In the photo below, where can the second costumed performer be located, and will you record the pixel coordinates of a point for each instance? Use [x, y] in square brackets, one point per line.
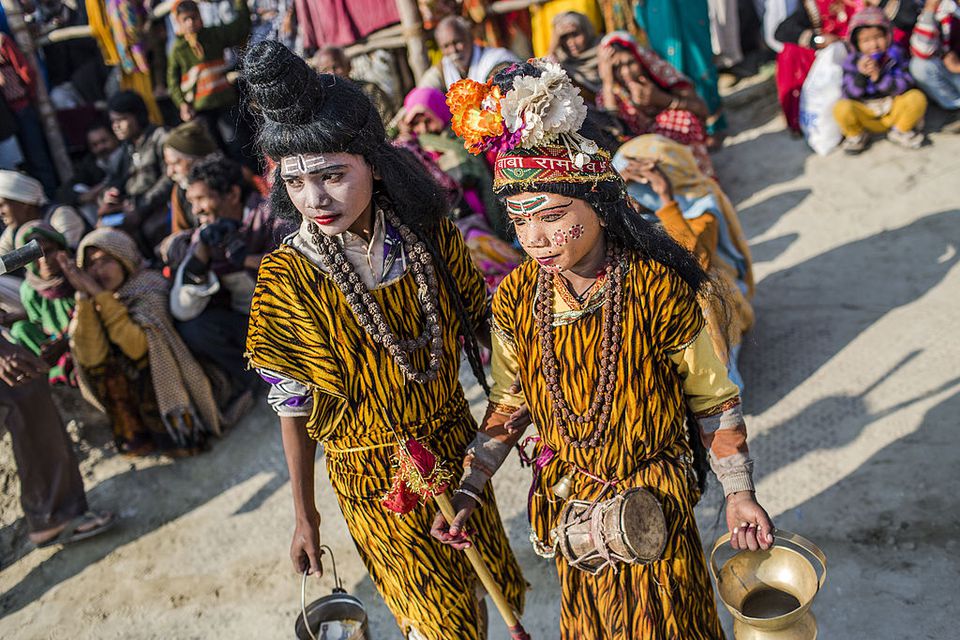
[357, 322]
[604, 331]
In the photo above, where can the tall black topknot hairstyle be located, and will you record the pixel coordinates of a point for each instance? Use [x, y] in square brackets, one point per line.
[302, 111]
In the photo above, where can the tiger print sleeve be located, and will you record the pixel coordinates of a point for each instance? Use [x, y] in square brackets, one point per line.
[504, 363]
[466, 275]
[282, 335]
[677, 317]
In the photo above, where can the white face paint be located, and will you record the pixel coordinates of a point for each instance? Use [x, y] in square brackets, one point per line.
[333, 190]
[556, 231]
[302, 164]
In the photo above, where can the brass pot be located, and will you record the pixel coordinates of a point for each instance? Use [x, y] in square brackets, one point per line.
[769, 593]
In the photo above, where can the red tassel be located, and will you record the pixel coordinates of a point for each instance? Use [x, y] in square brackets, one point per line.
[422, 458]
[400, 499]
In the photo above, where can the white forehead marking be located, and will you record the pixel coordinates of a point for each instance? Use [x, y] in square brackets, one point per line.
[302, 164]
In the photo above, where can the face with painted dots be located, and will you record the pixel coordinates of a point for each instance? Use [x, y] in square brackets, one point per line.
[556, 231]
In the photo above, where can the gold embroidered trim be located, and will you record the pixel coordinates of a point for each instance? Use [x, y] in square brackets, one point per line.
[723, 407]
[504, 409]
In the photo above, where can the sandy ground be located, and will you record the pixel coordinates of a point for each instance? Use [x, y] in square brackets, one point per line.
[853, 397]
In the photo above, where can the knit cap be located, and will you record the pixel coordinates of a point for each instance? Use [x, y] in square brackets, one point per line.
[21, 188]
[191, 139]
[867, 17]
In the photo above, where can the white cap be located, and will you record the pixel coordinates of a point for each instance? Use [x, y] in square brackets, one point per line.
[21, 188]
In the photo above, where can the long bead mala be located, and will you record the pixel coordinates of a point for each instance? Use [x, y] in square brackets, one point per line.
[368, 313]
[602, 403]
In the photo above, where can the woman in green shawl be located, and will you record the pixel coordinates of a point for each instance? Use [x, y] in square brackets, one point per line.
[48, 299]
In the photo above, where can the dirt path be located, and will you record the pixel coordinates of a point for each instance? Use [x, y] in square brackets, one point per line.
[853, 393]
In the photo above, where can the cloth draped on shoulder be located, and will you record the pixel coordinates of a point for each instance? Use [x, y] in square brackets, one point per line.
[483, 61]
[682, 126]
[181, 386]
[583, 69]
[720, 245]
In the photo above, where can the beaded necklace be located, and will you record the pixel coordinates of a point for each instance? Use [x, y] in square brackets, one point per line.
[368, 313]
[602, 403]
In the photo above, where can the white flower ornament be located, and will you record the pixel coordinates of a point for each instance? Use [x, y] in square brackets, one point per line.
[547, 109]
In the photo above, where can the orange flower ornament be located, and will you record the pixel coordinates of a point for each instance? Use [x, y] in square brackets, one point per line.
[475, 108]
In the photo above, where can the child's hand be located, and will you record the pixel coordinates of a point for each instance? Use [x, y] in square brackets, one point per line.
[868, 67]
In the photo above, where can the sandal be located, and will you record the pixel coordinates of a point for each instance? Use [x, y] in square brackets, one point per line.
[71, 533]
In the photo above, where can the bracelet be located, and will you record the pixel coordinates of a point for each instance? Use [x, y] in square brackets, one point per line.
[470, 494]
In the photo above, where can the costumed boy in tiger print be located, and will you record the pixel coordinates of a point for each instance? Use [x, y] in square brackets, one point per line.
[357, 322]
[603, 329]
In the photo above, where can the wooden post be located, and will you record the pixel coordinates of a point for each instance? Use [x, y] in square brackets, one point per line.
[48, 116]
[413, 32]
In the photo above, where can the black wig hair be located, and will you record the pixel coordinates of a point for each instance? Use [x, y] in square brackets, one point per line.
[624, 224]
[302, 111]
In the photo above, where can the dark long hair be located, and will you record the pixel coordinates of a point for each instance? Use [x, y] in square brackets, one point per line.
[302, 112]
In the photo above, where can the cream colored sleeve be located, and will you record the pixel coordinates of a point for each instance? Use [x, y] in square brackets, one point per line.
[505, 368]
[715, 402]
[705, 380]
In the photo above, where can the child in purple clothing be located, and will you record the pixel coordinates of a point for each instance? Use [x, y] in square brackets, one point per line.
[878, 88]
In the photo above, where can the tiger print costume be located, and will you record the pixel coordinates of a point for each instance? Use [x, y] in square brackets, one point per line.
[646, 447]
[302, 328]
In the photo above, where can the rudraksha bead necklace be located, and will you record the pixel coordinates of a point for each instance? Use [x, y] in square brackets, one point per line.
[368, 313]
[602, 403]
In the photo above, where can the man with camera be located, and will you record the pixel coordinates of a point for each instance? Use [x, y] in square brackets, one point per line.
[213, 284]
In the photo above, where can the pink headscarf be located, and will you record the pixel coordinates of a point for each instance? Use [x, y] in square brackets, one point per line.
[430, 100]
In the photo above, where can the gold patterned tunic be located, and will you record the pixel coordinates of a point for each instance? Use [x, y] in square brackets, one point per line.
[302, 328]
[666, 365]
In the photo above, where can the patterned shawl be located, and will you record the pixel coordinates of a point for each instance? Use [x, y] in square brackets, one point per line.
[181, 386]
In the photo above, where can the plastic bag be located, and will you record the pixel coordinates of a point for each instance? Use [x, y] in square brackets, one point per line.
[821, 91]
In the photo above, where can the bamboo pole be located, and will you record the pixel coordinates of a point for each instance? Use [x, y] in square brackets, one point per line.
[413, 32]
[48, 116]
[506, 6]
[517, 632]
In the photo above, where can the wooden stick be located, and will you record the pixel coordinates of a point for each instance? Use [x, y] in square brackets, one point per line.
[413, 31]
[486, 578]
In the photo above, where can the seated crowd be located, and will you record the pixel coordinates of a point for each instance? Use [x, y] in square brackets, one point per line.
[898, 55]
[152, 247]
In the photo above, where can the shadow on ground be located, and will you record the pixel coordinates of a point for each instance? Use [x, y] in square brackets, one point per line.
[196, 481]
[898, 549]
[809, 311]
